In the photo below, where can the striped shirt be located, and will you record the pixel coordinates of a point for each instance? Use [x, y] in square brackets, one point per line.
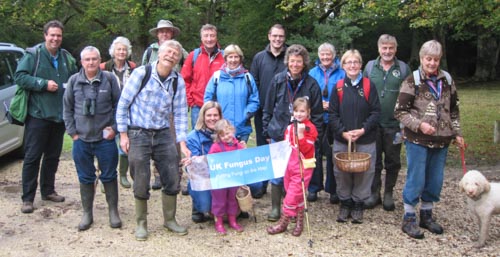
[152, 106]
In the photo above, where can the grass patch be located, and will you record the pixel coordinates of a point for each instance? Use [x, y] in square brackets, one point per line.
[479, 108]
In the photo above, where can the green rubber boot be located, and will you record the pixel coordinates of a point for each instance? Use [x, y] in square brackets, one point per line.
[169, 206]
[123, 167]
[141, 214]
[87, 192]
[276, 193]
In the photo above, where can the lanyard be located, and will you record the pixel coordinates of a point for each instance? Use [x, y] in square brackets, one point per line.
[436, 90]
[292, 97]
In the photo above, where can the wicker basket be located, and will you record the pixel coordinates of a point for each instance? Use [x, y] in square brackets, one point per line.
[244, 198]
[352, 161]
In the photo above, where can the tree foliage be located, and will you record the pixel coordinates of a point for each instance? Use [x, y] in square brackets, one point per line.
[345, 23]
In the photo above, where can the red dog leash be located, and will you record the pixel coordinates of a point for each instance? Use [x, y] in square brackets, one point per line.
[462, 155]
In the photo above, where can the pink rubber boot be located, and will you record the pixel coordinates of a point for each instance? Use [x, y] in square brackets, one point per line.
[234, 224]
[219, 226]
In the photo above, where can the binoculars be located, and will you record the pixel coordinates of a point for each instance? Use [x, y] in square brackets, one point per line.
[89, 107]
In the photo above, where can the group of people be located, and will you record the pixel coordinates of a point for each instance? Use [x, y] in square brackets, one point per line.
[319, 111]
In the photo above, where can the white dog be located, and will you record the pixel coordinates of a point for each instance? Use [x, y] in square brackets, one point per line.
[483, 200]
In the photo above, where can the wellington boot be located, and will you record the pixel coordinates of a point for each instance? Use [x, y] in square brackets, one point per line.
[169, 206]
[234, 224]
[219, 226]
[388, 203]
[112, 200]
[123, 167]
[141, 215]
[280, 227]
[299, 225]
[276, 194]
[373, 200]
[87, 192]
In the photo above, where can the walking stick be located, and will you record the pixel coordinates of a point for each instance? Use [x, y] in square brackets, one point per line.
[295, 124]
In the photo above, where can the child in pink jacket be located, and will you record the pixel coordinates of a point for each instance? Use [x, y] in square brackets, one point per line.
[293, 203]
[224, 200]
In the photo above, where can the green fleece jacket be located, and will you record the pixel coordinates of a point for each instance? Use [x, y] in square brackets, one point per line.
[42, 103]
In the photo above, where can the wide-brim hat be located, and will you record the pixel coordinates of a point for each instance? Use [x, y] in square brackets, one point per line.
[165, 24]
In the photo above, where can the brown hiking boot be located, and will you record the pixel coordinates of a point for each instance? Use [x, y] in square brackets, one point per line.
[345, 210]
[429, 223]
[27, 207]
[410, 226]
[54, 197]
[357, 213]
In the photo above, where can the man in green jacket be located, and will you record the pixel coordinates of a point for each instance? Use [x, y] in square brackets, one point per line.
[387, 73]
[44, 74]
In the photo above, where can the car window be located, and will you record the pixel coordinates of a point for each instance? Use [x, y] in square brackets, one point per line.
[8, 65]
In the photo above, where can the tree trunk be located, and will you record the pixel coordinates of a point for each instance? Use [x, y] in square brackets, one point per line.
[487, 57]
[440, 35]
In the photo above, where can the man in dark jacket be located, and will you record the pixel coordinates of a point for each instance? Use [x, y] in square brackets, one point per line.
[287, 86]
[89, 114]
[265, 65]
[44, 75]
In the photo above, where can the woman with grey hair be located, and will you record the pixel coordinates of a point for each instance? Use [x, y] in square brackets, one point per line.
[286, 86]
[427, 106]
[120, 50]
[326, 72]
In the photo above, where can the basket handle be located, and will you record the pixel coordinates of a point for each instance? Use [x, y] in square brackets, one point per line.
[349, 149]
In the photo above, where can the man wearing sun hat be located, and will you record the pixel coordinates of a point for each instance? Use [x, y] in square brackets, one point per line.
[165, 30]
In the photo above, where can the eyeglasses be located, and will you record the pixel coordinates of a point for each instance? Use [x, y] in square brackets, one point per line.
[352, 63]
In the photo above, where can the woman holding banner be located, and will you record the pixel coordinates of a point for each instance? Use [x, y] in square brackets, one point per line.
[199, 141]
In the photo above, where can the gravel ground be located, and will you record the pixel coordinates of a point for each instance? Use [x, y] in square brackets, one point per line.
[52, 229]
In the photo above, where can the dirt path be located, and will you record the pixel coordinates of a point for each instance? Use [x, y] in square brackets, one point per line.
[52, 229]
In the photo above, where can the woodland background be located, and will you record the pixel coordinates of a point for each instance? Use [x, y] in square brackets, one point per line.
[468, 29]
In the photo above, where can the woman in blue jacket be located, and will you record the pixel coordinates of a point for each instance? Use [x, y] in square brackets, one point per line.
[326, 72]
[199, 141]
[234, 88]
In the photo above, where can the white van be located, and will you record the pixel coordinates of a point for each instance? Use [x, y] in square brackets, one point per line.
[11, 136]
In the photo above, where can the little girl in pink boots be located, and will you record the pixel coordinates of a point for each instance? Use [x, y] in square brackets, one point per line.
[296, 173]
[224, 200]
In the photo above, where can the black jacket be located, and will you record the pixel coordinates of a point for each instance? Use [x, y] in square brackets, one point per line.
[276, 111]
[264, 66]
[354, 112]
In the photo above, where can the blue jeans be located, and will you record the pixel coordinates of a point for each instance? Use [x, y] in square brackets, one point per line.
[195, 112]
[41, 137]
[158, 145]
[83, 155]
[202, 200]
[425, 174]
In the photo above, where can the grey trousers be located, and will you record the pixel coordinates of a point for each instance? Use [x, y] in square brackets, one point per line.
[355, 186]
